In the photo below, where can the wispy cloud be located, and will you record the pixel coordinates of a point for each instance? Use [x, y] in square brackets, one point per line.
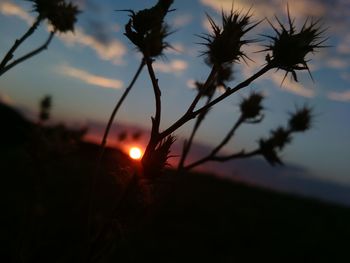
[340, 96]
[11, 9]
[90, 78]
[182, 20]
[344, 45]
[337, 63]
[269, 8]
[175, 66]
[112, 50]
[291, 86]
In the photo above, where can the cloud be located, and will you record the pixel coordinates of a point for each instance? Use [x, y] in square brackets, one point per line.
[182, 20]
[5, 99]
[191, 83]
[111, 51]
[344, 45]
[290, 85]
[10, 9]
[337, 63]
[340, 96]
[175, 66]
[89, 78]
[269, 8]
[106, 49]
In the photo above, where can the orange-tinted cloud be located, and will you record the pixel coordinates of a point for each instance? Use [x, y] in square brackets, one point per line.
[11, 9]
[340, 96]
[90, 78]
[175, 66]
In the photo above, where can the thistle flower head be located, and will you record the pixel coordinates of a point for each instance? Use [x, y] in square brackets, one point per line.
[59, 13]
[300, 120]
[225, 43]
[280, 137]
[147, 30]
[268, 150]
[251, 107]
[289, 48]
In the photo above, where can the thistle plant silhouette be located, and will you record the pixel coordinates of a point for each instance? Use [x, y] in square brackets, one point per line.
[289, 50]
[60, 14]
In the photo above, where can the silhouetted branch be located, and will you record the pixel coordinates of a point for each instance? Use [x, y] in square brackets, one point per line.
[9, 55]
[156, 119]
[115, 110]
[213, 153]
[192, 114]
[239, 155]
[29, 55]
[187, 145]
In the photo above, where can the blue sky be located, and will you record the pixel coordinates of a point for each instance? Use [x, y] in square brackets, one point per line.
[86, 72]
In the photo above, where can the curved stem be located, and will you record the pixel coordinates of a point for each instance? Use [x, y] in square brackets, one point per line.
[154, 139]
[102, 150]
[239, 155]
[188, 144]
[28, 55]
[115, 110]
[219, 147]
[18, 42]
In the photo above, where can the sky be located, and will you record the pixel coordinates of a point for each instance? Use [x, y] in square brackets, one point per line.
[86, 72]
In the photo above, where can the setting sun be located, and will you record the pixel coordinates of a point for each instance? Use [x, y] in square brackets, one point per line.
[135, 153]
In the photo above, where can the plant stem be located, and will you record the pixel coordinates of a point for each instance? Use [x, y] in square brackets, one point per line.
[206, 86]
[102, 150]
[239, 155]
[192, 114]
[28, 55]
[154, 139]
[115, 110]
[188, 144]
[18, 42]
[213, 153]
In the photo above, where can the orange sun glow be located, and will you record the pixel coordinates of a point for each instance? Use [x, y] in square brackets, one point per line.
[135, 153]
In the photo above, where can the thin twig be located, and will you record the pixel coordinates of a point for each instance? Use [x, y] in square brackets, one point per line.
[28, 55]
[9, 55]
[239, 155]
[156, 120]
[114, 112]
[212, 154]
[188, 144]
[102, 151]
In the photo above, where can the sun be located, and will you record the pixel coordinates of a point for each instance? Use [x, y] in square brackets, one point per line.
[135, 153]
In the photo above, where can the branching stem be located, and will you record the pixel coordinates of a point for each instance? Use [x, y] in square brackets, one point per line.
[28, 55]
[192, 114]
[9, 55]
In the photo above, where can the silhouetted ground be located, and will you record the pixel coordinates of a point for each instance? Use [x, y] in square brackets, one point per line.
[191, 218]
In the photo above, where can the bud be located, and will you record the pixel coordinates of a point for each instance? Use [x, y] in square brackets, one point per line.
[224, 44]
[300, 121]
[251, 107]
[280, 137]
[147, 30]
[268, 150]
[156, 161]
[60, 14]
[289, 49]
